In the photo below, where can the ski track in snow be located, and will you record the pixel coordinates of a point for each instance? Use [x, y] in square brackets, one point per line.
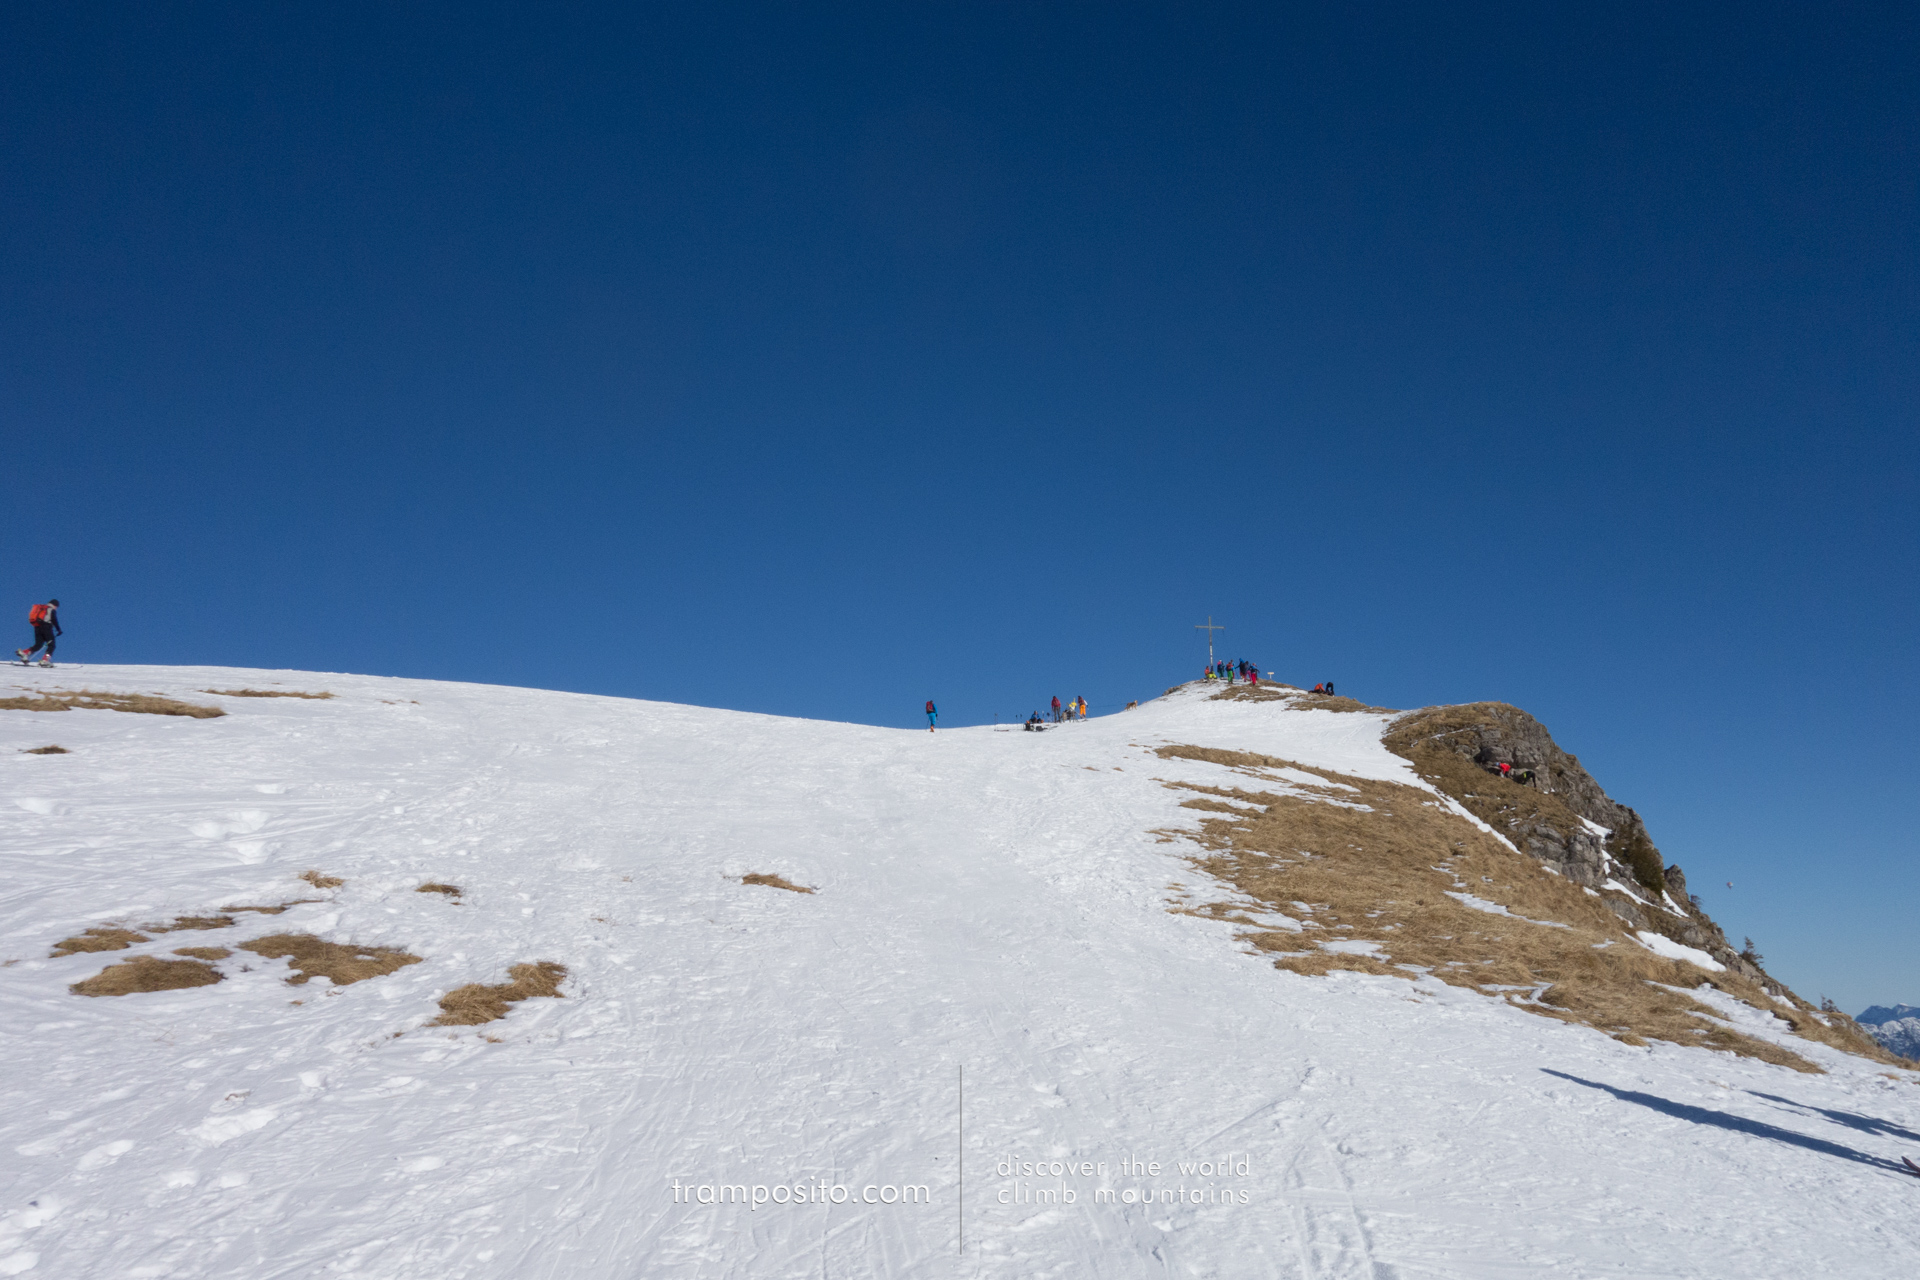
[983, 901]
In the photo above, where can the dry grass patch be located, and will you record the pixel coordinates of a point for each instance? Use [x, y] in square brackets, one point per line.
[1263, 692]
[203, 953]
[95, 700]
[144, 973]
[1338, 702]
[45, 751]
[1243, 760]
[434, 886]
[266, 693]
[103, 938]
[1375, 863]
[274, 910]
[1302, 700]
[314, 958]
[774, 882]
[476, 1003]
[320, 880]
[192, 922]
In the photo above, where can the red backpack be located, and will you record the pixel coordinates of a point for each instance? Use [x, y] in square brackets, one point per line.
[38, 614]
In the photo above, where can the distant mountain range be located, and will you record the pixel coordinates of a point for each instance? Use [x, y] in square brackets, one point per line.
[1897, 1027]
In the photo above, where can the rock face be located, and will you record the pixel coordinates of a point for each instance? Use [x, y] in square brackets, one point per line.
[1553, 815]
[1898, 1028]
[1551, 807]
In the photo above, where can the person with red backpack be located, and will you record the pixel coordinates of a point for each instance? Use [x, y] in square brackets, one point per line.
[933, 714]
[45, 619]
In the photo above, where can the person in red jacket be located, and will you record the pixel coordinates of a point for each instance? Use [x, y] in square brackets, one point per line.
[1056, 708]
[45, 619]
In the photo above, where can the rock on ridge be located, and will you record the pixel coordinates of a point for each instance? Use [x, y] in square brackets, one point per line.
[1554, 810]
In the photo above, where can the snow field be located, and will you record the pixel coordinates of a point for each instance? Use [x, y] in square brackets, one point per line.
[987, 902]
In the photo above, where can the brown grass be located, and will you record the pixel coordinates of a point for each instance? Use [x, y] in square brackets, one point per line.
[314, 958]
[192, 922]
[203, 953]
[45, 751]
[1301, 699]
[1251, 693]
[1376, 865]
[320, 880]
[104, 938]
[774, 882]
[434, 886]
[1339, 702]
[476, 1003]
[144, 973]
[265, 693]
[95, 700]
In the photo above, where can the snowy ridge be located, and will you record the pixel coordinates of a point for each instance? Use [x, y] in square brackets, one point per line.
[1898, 1028]
[993, 902]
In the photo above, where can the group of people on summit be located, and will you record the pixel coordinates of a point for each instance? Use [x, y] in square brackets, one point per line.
[1074, 710]
[1234, 672]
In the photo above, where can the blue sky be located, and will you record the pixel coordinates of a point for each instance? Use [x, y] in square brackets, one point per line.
[821, 363]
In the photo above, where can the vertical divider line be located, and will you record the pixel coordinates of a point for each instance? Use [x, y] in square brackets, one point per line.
[960, 1140]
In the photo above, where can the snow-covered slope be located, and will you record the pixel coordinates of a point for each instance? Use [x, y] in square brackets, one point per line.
[990, 914]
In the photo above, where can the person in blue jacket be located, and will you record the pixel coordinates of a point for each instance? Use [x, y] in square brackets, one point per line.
[933, 714]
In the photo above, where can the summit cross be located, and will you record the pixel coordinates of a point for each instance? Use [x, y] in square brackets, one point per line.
[1209, 628]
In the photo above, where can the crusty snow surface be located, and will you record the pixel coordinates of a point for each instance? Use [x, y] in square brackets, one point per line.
[993, 902]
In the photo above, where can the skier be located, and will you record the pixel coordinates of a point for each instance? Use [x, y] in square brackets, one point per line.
[933, 714]
[45, 619]
[1056, 708]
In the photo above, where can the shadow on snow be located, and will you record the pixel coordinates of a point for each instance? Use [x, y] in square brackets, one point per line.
[1752, 1128]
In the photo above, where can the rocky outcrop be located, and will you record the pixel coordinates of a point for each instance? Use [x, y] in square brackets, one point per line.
[1550, 807]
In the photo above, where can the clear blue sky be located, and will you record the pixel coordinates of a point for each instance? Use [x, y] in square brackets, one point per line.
[823, 359]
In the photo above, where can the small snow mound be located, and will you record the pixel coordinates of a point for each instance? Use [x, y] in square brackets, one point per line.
[1495, 909]
[1677, 951]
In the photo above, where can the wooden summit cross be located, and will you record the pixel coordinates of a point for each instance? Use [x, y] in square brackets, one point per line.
[1209, 628]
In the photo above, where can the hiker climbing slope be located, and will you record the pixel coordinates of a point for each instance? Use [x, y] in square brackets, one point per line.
[45, 620]
[933, 714]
